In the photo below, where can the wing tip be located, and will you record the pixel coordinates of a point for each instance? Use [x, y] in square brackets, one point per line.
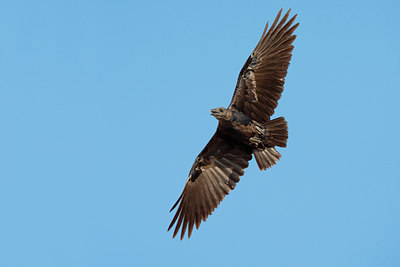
[176, 203]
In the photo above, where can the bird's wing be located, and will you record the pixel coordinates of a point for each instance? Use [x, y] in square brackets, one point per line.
[261, 79]
[214, 174]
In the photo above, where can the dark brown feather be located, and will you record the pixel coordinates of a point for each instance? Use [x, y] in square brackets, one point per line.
[266, 158]
[269, 62]
[214, 174]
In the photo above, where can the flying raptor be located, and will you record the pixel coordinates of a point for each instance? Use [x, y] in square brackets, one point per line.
[244, 128]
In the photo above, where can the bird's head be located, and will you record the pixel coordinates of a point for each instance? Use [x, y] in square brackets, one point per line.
[221, 113]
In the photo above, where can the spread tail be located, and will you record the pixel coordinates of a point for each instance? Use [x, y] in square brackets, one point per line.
[277, 132]
[277, 135]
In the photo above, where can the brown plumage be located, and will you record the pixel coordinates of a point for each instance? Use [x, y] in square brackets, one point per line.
[244, 128]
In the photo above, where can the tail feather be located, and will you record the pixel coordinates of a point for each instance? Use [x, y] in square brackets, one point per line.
[277, 131]
[266, 158]
[277, 135]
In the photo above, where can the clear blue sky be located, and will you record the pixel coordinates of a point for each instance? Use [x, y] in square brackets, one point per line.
[105, 105]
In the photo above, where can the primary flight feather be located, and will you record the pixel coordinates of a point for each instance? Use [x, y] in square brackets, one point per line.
[244, 128]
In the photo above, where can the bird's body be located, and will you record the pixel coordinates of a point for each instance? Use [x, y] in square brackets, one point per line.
[244, 129]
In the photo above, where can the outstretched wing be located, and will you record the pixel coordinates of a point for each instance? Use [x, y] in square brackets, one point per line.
[214, 174]
[261, 79]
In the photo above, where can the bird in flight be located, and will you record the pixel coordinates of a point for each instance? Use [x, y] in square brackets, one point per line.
[245, 128]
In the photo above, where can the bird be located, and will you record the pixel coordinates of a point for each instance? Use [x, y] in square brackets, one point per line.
[244, 129]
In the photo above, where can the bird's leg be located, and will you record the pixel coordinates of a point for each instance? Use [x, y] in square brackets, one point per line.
[255, 141]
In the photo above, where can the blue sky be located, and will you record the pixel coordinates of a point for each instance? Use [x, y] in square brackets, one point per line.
[104, 106]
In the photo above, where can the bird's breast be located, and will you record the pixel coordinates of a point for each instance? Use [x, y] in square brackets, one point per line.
[238, 130]
[244, 129]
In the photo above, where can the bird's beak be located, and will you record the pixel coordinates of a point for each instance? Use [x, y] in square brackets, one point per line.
[214, 112]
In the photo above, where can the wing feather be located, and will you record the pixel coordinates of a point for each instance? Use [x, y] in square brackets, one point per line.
[214, 174]
[269, 62]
